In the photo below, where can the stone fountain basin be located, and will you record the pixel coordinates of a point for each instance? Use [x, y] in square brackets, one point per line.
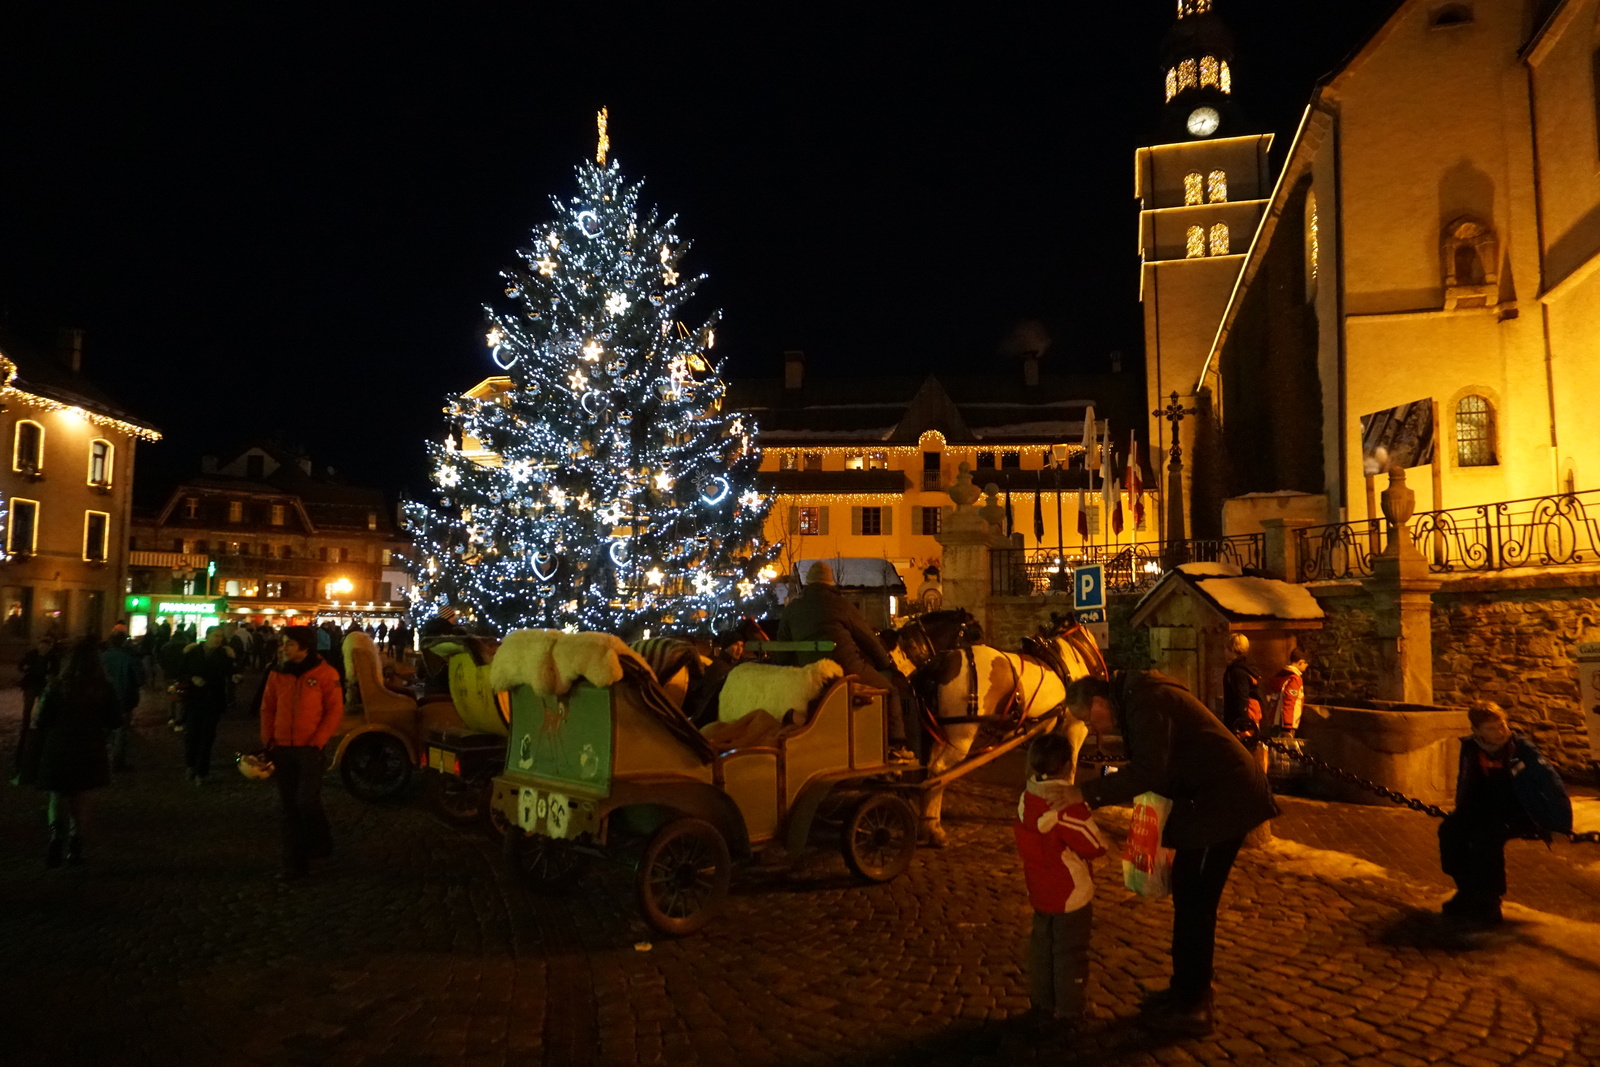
[1411, 748]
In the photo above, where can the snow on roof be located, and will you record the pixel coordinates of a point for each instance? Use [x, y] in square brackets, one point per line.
[859, 573]
[1262, 596]
[1274, 493]
[1210, 570]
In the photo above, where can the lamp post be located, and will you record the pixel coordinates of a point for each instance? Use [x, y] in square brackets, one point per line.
[1174, 413]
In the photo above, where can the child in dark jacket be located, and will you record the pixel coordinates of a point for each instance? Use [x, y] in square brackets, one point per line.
[1057, 841]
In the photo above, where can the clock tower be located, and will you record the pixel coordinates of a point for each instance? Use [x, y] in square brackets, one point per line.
[1201, 194]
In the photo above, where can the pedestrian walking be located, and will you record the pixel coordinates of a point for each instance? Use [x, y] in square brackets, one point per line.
[1057, 838]
[1175, 747]
[75, 711]
[1284, 696]
[38, 665]
[1504, 788]
[300, 710]
[208, 668]
[1241, 689]
[126, 674]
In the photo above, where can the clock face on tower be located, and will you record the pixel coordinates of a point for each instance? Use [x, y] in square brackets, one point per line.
[1203, 121]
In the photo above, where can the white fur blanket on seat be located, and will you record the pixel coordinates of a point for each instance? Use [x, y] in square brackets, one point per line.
[775, 690]
[550, 662]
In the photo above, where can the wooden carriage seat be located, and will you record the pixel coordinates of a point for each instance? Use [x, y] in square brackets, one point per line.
[364, 676]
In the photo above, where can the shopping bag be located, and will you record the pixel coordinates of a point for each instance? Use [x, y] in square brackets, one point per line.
[1146, 866]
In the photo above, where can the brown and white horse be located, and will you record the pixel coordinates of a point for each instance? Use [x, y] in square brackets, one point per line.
[967, 688]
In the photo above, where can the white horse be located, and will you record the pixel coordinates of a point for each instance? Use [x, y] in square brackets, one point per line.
[1009, 685]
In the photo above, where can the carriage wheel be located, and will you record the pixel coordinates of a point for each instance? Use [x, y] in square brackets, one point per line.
[375, 766]
[684, 876]
[542, 864]
[455, 800]
[880, 837]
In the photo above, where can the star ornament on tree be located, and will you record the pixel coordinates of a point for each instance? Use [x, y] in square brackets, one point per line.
[704, 583]
[449, 477]
[616, 304]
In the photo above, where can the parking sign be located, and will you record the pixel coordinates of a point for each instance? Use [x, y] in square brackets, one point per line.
[1088, 587]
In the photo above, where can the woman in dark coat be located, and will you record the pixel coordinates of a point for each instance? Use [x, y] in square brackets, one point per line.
[208, 667]
[75, 711]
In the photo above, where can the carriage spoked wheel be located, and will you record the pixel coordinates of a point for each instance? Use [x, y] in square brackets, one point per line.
[455, 800]
[880, 837]
[684, 875]
[543, 864]
[376, 766]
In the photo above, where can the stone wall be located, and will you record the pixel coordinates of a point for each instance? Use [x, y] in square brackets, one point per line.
[1011, 618]
[1509, 638]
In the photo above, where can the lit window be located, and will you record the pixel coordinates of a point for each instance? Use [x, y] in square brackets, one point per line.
[23, 527]
[1192, 191]
[1225, 81]
[27, 454]
[1217, 187]
[236, 511]
[387, 557]
[1474, 432]
[1208, 70]
[1193, 7]
[1187, 75]
[1313, 251]
[788, 461]
[877, 461]
[280, 514]
[372, 520]
[191, 507]
[1219, 239]
[96, 526]
[1195, 246]
[99, 462]
[810, 521]
[1172, 83]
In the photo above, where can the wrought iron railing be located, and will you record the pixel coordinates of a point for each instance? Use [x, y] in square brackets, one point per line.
[1544, 531]
[1128, 569]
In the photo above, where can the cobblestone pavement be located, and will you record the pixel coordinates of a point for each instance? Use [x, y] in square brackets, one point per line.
[173, 945]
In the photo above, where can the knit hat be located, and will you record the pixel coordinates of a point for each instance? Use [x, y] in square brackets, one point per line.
[819, 573]
[304, 636]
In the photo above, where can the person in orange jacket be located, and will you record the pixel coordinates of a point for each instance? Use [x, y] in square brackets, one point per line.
[300, 710]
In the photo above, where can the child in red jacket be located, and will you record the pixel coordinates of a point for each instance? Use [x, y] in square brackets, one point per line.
[1057, 841]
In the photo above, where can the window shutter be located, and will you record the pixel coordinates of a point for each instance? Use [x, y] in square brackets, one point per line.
[822, 520]
[855, 521]
[794, 520]
[887, 520]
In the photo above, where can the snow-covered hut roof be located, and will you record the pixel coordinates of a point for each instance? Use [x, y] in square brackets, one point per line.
[1236, 596]
[855, 572]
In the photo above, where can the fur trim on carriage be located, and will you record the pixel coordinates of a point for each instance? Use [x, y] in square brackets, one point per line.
[775, 690]
[551, 662]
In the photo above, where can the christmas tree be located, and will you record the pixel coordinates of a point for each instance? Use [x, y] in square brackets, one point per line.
[599, 485]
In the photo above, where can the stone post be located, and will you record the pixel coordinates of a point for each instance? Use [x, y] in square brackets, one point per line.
[966, 537]
[1402, 593]
[1281, 547]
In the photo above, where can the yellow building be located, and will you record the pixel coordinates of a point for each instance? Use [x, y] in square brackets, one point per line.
[1433, 240]
[861, 467]
[67, 491]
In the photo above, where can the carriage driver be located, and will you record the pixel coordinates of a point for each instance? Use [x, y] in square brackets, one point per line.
[821, 613]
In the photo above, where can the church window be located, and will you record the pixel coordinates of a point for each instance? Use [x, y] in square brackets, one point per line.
[1187, 77]
[1191, 188]
[1195, 246]
[1217, 187]
[1172, 83]
[1219, 239]
[1470, 253]
[1225, 78]
[1313, 248]
[1208, 71]
[1193, 7]
[1474, 432]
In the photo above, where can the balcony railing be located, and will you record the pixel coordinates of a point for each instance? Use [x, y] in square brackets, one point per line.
[1038, 571]
[1544, 531]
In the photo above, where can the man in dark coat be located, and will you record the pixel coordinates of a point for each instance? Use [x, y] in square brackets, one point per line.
[1504, 788]
[1177, 748]
[821, 613]
[208, 670]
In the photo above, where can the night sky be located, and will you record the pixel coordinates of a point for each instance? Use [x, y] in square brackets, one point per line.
[282, 221]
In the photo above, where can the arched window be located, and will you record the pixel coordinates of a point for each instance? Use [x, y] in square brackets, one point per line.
[1196, 244]
[1172, 83]
[1225, 80]
[1191, 188]
[1208, 71]
[1217, 187]
[100, 456]
[1470, 253]
[1313, 248]
[27, 451]
[1219, 239]
[1475, 432]
[1187, 75]
[1193, 7]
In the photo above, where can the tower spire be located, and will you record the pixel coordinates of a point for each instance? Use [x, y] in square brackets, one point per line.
[1197, 69]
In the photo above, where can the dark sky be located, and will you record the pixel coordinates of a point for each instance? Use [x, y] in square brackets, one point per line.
[282, 220]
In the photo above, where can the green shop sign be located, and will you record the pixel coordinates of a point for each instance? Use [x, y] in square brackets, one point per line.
[167, 607]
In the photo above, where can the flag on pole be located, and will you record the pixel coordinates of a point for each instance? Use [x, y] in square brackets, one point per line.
[1133, 481]
[1038, 516]
[1091, 454]
[1011, 526]
[1110, 499]
[1083, 517]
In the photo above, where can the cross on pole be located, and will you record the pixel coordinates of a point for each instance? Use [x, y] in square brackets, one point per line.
[1174, 413]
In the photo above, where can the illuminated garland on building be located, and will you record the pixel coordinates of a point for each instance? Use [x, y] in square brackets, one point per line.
[9, 390]
[606, 490]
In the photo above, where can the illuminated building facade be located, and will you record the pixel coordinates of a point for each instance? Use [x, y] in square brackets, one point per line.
[1434, 236]
[289, 540]
[67, 486]
[861, 467]
[1201, 194]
